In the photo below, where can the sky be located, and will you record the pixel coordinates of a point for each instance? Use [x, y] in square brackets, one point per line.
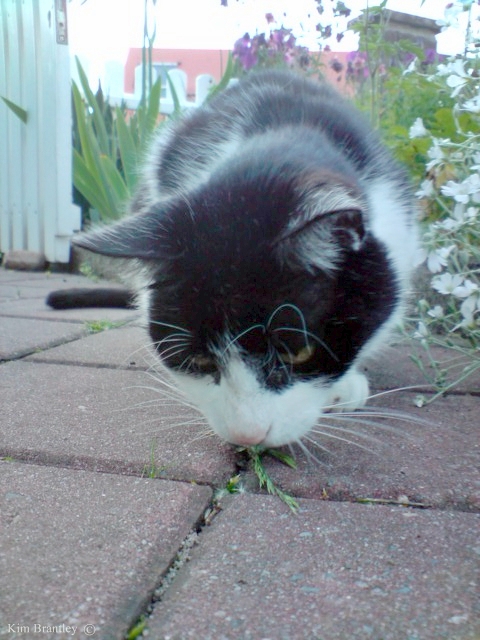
[103, 30]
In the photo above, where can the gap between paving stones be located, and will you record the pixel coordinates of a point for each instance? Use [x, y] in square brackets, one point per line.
[195, 538]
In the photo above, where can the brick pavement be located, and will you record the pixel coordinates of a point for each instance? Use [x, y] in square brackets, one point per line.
[105, 483]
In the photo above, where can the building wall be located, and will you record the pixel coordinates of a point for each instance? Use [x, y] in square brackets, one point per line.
[214, 62]
[193, 62]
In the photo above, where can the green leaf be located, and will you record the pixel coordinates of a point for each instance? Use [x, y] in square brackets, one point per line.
[98, 118]
[128, 150]
[115, 185]
[256, 453]
[153, 109]
[18, 111]
[225, 79]
[283, 457]
[177, 108]
[86, 182]
[82, 125]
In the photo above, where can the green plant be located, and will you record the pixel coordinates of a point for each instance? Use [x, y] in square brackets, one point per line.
[256, 455]
[151, 470]
[97, 326]
[137, 630]
[448, 315]
[105, 159]
[16, 109]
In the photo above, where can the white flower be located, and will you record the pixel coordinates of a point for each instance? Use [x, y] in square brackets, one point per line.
[458, 78]
[466, 289]
[436, 312]
[417, 130]
[474, 183]
[427, 189]
[472, 105]
[443, 69]
[468, 309]
[456, 83]
[411, 67]
[422, 331]
[449, 224]
[461, 191]
[447, 282]
[436, 155]
[459, 212]
[471, 214]
[438, 258]
[457, 190]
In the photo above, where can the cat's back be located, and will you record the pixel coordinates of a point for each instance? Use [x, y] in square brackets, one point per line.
[268, 101]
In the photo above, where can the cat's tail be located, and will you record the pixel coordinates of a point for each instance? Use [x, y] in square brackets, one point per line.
[81, 298]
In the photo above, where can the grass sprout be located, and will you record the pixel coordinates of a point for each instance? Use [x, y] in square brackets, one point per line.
[256, 455]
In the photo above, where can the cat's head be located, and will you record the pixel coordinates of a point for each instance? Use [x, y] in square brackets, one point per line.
[263, 287]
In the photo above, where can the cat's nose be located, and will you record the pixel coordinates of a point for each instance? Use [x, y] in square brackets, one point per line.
[249, 439]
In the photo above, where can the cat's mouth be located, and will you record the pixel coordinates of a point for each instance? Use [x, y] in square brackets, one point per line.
[254, 438]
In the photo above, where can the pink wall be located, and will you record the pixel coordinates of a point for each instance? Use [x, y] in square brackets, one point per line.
[193, 62]
[213, 61]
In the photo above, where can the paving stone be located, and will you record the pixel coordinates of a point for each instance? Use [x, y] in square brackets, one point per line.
[21, 336]
[125, 347]
[80, 548]
[334, 571]
[107, 420]
[28, 287]
[435, 463]
[36, 308]
[52, 279]
[394, 368]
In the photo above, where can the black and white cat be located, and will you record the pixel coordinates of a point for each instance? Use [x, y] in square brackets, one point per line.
[276, 237]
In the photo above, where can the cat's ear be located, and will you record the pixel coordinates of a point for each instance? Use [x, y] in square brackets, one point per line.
[328, 220]
[137, 236]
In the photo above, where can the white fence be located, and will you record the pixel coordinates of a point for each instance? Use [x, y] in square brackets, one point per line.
[36, 210]
[114, 87]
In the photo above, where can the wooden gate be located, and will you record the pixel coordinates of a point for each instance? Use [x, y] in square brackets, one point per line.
[36, 209]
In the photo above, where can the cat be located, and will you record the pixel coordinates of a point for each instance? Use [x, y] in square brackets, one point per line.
[276, 237]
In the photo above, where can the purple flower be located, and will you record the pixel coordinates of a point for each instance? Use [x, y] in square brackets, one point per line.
[336, 65]
[244, 53]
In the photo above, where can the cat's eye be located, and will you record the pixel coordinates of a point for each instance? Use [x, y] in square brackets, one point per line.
[203, 364]
[301, 357]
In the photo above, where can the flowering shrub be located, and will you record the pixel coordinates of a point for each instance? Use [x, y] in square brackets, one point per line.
[449, 312]
[277, 49]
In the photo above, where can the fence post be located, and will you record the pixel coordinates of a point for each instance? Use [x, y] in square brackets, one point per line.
[36, 209]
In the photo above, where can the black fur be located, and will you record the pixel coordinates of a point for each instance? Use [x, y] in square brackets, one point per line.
[267, 222]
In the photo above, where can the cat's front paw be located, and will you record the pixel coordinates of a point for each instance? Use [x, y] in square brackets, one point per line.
[350, 392]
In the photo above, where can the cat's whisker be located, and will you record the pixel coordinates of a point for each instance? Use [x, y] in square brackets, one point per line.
[194, 421]
[172, 351]
[386, 414]
[415, 387]
[203, 436]
[332, 436]
[308, 454]
[355, 420]
[171, 393]
[288, 305]
[167, 325]
[147, 348]
[240, 336]
[309, 334]
[353, 432]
